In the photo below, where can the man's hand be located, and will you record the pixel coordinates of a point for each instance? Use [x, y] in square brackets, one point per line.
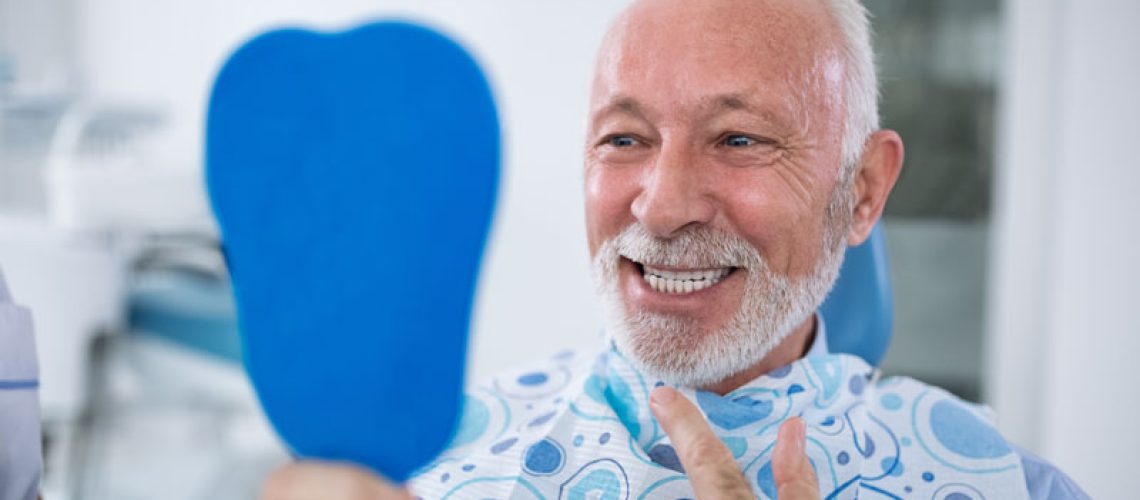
[710, 466]
[322, 481]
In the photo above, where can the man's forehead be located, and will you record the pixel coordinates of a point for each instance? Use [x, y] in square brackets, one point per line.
[715, 54]
[746, 24]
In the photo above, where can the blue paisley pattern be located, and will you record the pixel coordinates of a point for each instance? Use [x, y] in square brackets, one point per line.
[580, 428]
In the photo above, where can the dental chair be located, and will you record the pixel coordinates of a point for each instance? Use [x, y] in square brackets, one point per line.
[314, 140]
[859, 312]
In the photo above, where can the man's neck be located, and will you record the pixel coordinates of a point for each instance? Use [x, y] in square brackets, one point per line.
[792, 348]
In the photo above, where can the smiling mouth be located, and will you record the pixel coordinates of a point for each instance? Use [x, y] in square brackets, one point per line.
[680, 281]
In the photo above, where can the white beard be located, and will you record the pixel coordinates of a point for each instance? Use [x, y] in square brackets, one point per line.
[673, 348]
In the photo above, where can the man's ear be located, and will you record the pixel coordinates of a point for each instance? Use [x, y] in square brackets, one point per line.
[875, 176]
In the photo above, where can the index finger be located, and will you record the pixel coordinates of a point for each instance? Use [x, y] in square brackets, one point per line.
[711, 468]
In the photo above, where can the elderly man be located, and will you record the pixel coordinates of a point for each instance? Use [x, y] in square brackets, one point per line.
[733, 154]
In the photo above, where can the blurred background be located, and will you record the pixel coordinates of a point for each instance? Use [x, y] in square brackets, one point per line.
[1011, 233]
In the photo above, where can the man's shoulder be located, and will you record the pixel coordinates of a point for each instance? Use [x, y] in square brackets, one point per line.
[1043, 479]
[523, 396]
[538, 378]
[507, 412]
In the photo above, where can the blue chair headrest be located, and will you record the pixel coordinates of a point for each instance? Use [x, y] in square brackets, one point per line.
[354, 176]
[858, 313]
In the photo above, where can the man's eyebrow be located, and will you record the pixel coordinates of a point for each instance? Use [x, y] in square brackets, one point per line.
[621, 104]
[730, 101]
[714, 105]
[740, 102]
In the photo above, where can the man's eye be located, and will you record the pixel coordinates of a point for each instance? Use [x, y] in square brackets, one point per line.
[739, 141]
[622, 141]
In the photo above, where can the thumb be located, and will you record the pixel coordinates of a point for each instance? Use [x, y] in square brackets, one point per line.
[791, 469]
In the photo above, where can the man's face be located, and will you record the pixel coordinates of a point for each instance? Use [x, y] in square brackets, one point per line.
[712, 167]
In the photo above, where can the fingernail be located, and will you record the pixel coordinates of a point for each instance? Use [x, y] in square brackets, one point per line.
[662, 395]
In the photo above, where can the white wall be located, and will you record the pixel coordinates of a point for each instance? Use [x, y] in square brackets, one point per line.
[539, 56]
[36, 47]
[1065, 326]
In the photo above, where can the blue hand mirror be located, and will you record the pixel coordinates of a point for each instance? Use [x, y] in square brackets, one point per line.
[353, 176]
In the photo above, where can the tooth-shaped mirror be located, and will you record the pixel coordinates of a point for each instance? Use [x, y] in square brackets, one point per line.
[354, 177]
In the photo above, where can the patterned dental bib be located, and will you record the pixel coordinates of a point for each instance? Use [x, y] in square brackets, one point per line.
[581, 428]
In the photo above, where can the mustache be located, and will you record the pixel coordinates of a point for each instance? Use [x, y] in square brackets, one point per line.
[694, 247]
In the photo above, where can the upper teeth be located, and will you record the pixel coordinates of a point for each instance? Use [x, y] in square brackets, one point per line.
[665, 281]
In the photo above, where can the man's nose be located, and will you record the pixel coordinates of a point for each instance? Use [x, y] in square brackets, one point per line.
[673, 194]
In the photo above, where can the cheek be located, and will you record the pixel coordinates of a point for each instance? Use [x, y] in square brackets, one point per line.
[785, 230]
[609, 195]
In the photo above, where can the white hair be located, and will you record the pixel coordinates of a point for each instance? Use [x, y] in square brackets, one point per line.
[861, 82]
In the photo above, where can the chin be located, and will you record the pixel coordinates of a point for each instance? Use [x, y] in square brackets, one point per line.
[679, 351]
